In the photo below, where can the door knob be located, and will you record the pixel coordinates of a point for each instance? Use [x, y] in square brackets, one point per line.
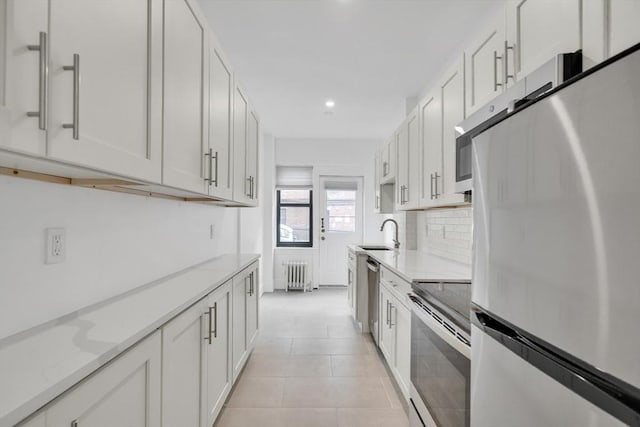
[322, 238]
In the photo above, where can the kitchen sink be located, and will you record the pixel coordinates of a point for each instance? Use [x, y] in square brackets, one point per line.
[375, 248]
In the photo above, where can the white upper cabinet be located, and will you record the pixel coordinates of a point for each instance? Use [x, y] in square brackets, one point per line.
[105, 85]
[623, 25]
[537, 30]
[430, 110]
[253, 136]
[241, 184]
[23, 75]
[409, 163]
[388, 161]
[485, 62]
[453, 112]
[376, 182]
[220, 157]
[186, 100]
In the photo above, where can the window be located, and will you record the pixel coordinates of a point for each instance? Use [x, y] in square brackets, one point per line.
[294, 216]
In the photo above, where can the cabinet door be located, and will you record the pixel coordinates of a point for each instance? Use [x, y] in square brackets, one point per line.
[241, 186]
[412, 193]
[484, 62]
[252, 309]
[239, 324]
[220, 122]
[624, 30]
[126, 392]
[402, 325]
[105, 74]
[452, 99]
[389, 158]
[23, 75]
[217, 371]
[253, 128]
[431, 138]
[402, 174]
[186, 93]
[537, 30]
[182, 367]
[386, 339]
[376, 182]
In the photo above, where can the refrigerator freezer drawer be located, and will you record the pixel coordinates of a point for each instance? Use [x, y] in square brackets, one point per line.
[506, 391]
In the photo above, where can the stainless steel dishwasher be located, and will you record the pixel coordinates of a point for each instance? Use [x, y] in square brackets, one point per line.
[373, 292]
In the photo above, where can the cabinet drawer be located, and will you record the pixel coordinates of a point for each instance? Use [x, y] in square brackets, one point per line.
[395, 284]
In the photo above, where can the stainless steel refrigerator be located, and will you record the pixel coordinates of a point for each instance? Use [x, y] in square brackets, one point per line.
[556, 279]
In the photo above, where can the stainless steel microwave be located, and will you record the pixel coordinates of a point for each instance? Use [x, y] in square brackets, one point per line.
[554, 72]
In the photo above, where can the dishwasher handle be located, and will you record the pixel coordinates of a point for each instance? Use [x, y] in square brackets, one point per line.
[373, 266]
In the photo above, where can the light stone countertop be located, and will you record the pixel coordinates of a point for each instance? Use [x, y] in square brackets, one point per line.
[38, 365]
[416, 266]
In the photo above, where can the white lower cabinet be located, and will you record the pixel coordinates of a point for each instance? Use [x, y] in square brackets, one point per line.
[183, 359]
[216, 369]
[196, 369]
[395, 332]
[245, 316]
[126, 392]
[180, 376]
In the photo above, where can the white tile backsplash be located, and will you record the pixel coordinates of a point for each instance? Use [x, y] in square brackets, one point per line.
[446, 232]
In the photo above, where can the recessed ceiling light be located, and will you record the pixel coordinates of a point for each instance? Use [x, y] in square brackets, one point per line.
[330, 103]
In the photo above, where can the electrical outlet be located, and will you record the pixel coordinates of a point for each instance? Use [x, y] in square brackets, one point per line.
[56, 246]
[212, 230]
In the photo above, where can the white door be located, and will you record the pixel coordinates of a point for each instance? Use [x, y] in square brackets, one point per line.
[340, 224]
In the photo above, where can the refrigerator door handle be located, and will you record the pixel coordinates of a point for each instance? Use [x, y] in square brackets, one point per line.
[612, 395]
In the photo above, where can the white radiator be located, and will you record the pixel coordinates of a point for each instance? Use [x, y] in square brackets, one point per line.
[296, 275]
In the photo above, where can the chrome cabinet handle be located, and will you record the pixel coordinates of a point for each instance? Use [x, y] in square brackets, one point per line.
[388, 313]
[435, 185]
[252, 186]
[208, 337]
[76, 96]
[212, 157]
[248, 180]
[508, 76]
[41, 114]
[377, 202]
[393, 308]
[495, 71]
[215, 320]
[385, 168]
[431, 176]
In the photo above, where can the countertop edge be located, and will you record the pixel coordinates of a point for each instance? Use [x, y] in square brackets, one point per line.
[45, 397]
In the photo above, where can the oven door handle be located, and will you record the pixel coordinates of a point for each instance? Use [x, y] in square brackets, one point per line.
[440, 330]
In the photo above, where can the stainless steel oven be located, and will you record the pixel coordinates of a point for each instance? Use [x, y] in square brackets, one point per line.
[440, 357]
[540, 81]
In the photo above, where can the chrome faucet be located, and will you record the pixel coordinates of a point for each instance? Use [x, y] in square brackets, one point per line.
[396, 242]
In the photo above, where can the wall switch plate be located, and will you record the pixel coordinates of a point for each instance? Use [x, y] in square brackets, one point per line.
[212, 230]
[56, 246]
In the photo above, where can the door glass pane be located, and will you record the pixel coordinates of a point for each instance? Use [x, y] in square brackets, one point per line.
[341, 210]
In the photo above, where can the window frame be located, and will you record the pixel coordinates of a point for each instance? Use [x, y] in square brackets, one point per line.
[279, 205]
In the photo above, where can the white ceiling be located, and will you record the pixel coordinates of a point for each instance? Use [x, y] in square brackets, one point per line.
[367, 55]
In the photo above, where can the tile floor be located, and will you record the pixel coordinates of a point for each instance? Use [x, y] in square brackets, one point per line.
[312, 368]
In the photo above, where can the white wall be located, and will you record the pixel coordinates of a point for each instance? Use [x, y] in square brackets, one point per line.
[115, 242]
[333, 157]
